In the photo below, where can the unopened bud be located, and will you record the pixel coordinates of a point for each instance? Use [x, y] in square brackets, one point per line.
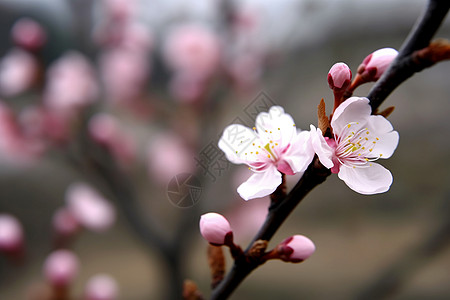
[101, 287]
[61, 268]
[215, 228]
[65, 223]
[339, 76]
[89, 208]
[375, 64]
[28, 34]
[11, 234]
[296, 248]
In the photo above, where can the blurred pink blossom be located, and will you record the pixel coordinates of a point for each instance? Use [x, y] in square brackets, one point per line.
[187, 87]
[71, 84]
[41, 126]
[65, 223]
[13, 145]
[11, 234]
[245, 68]
[193, 49]
[18, 72]
[105, 129]
[124, 73]
[28, 34]
[101, 287]
[167, 157]
[247, 216]
[120, 10]
[90, 208]
[61, 267]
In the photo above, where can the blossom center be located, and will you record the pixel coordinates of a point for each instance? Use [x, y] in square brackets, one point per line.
[355, 146]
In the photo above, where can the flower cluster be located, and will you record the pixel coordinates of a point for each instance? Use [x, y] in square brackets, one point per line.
[354, 139]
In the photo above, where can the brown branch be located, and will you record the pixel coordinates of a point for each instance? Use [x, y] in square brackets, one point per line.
[278, 213]
[404, 66]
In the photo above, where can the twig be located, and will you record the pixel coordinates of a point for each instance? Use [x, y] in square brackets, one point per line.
[404, 66]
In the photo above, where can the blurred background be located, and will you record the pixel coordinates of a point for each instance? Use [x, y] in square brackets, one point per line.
[104, 102]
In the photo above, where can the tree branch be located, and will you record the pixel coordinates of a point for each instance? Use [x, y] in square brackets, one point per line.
[403, 67]
[278, 213]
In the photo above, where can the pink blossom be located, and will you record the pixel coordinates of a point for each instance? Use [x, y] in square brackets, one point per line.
[90, 209]
[339, 76]
[71, 84]
[359, 139]
[39, 125]
[28, 34]
[214, 228]
[11, 234]
[187, 87]
[245, 68]
[18, 72]
[101, 287]
[273, 147]
[168, 156]
[192, 49]
[13, 144]
[65, 223]
[374, 65]
[296, 248]
[61, 268]
[124, 73]
[120, 10]
[105, 129]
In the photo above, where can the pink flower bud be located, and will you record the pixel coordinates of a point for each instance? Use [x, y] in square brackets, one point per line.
[65, 223]
[11, 234]
[90, 209]
[374, 65]
[192, 48]
[28, 34]
[296, 248]
[214, 228]
[71, 84]
[18, 72]
[101, 287]
[105, 130]
[339, 76]
[61, 268]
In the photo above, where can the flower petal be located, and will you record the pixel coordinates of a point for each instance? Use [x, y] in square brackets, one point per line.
[300, 153]
[235, 139]
[260, 184]
[388, 139]
[354, 109]
[321, 147]
[368, 180]
[275, 125]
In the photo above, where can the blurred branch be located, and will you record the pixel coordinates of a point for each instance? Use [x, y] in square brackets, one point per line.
[401, 69]
[96, 162]
[406, 63]
[410, 261]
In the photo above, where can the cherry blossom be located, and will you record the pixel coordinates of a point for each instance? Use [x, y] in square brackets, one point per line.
[101, 287]
[273, 147]
[61, 267]
[359, 139]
